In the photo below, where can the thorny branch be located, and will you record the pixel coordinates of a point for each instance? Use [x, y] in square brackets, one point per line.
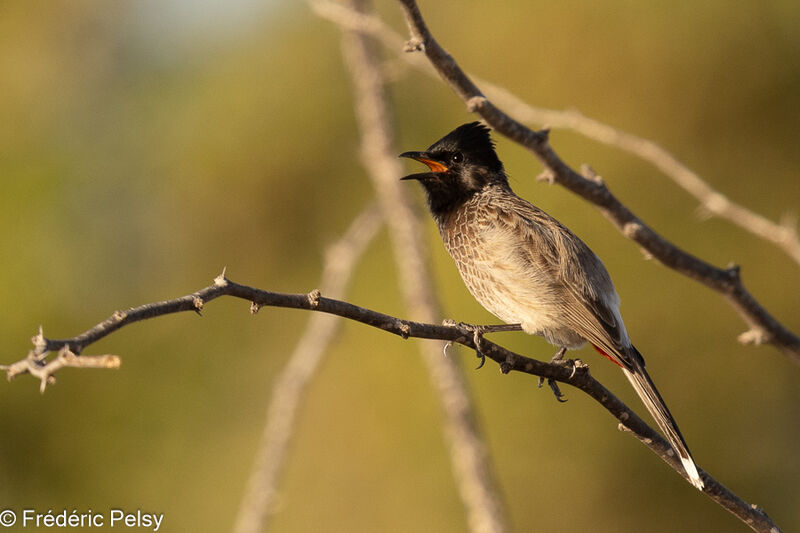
[764, 328]
[36, 365]
[577, 376]
[783, 234]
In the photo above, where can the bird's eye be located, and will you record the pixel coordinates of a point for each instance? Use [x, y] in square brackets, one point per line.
[456, 157]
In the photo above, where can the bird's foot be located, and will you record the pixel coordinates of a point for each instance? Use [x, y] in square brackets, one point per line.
[477, 338]
[477, 333]
[558, 358]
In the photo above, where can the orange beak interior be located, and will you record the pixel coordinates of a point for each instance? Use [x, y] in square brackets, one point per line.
[435, 166]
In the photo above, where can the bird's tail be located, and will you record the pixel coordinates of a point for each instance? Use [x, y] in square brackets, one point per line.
[647, 391]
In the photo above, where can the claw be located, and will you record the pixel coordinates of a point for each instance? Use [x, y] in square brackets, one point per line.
[477, 339]
[553, 384]
[556, 391]
[557, 358]
[574, 369]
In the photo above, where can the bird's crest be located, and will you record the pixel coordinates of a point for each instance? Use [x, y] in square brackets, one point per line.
[474, 141]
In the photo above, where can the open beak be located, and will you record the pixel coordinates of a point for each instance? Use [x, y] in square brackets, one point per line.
[423, 157]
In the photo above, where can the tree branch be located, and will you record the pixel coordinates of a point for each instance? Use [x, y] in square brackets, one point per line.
[579, 377]
[764, 328]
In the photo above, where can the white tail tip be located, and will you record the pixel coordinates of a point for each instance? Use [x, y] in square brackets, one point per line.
[694, 475]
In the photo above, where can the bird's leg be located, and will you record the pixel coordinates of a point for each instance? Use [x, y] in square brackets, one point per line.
[557, 358]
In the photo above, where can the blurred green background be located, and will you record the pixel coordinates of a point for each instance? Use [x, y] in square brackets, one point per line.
[146, 145]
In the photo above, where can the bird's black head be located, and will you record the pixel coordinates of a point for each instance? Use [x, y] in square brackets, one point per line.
[461, 163]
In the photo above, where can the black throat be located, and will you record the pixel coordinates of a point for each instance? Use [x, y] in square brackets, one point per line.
[444, 199]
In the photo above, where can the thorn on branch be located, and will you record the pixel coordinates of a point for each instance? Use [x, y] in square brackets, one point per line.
[221, 280]
[414, 44]
[543, 135]
[254, 307]
[475, 103]
[734, 272]
[589, 173]
[313, 298]
[632, 229]
[39, 342]
[198, 305]
[405, 330]
[47, 380]
[756, 336]
[119, 316]
[547, 175]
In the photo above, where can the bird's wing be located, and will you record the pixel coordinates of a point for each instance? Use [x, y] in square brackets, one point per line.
[590, 301]
[591, 307]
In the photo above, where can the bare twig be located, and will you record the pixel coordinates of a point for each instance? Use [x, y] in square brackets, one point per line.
[783, 234]
[764, 328]
[36, 364]
[578, 377]
[341, 258]
[468, 452]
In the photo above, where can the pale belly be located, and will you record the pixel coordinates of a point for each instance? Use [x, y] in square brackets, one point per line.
[511, 288]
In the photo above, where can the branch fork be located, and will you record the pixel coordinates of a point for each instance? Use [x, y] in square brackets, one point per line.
[37, 365]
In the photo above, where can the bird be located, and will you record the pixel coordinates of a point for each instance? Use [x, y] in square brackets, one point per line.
[525, 267]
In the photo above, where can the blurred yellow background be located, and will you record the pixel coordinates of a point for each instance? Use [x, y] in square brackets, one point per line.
[146, 145]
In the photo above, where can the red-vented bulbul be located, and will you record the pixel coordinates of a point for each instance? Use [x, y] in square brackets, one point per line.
[526, 268]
